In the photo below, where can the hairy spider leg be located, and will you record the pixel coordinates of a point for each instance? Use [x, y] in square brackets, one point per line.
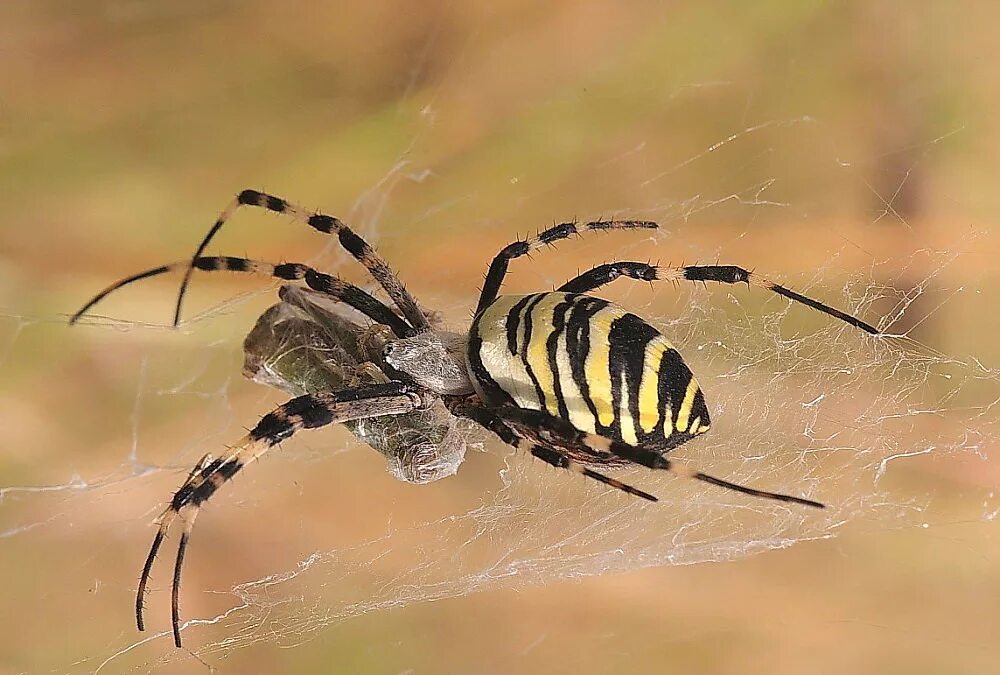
[498, 268]
[463, 407]
[726, 274]
[349, 240]
[304, 412]
[329, 285]
[558, 430]
[561, 461]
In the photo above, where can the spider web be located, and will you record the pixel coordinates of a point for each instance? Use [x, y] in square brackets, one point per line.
[800, 404]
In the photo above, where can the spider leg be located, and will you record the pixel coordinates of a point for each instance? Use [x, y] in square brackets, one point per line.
[727, 274]
[559, 431]
[498, 268]
[329, 285]
[561, 461]
[304, 412]
[352, 243]
[478, 413]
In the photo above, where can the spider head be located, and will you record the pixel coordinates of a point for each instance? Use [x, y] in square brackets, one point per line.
[435, 360]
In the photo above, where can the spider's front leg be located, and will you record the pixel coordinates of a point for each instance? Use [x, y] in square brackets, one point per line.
[349, 240]
[304, 412]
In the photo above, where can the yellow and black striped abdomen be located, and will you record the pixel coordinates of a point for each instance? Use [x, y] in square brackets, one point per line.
[588, 361]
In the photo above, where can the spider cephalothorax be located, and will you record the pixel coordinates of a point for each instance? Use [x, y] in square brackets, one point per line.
[572, 379]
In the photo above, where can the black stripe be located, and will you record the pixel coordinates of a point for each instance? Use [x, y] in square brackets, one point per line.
[528, 326]
[492, 393]
[726, 274]
[513, 322]
[627, 342]
[671, 387]
[325, 224]
[605, 274]
[551, 348]
[578, 346]
[249, 197]
[230, 468]
[276, 204]
[273, 428]
[235, 264]
[290, 271]
[201, 493]
[516, 250]
[310, 410]
[557, 232]
[497, 271]
[614, 225]
[317, 415]
[182, 497]
[700, 409]
[354, 244]
[358, 299]
[550, 456]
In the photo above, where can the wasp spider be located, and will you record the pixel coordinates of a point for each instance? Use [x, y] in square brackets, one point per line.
[568, 377]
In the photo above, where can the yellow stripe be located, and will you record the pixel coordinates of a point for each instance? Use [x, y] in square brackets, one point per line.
[627, 423]
[649, 403]
[538, 355]
[686, 405]
[597, 368]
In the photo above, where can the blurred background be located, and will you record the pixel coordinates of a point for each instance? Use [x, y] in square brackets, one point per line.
[847, 149]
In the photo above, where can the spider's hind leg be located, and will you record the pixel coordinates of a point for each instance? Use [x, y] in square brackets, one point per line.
[559, 432]
[470, 408]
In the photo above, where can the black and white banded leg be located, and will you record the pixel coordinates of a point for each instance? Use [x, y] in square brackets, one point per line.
[498, 267]
[352, 243]
[484, 417]
[726, 274]
[304, 412]
[558, 431]
[329, 285]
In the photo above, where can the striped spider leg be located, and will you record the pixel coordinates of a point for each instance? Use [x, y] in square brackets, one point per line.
[557, 442]
[498, 267]
[352, 243]
[330, 286]
[728, 274]
[551, 430]
[471, 408]
[304, 412]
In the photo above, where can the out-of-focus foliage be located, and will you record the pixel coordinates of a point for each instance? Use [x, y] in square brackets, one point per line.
[819, 142]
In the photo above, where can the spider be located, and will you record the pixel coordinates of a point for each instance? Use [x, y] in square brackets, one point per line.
[565, 376]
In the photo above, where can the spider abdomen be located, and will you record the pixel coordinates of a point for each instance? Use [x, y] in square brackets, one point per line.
[588, 361]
